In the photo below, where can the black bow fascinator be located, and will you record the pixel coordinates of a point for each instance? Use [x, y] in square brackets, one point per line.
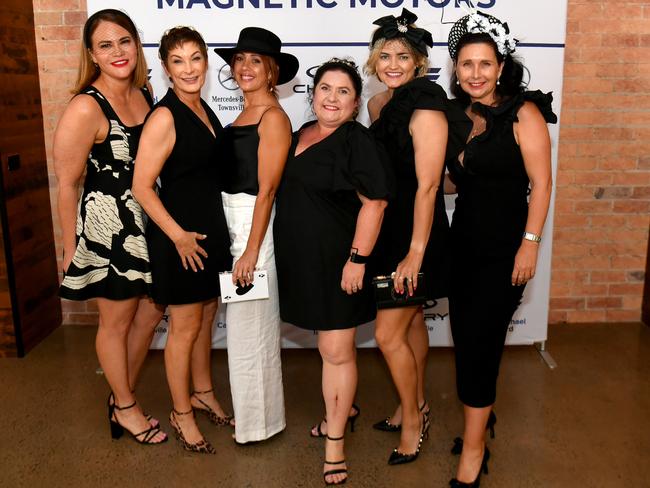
[391, 27]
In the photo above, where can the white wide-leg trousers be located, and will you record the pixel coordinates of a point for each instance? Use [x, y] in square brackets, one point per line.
[253, 336]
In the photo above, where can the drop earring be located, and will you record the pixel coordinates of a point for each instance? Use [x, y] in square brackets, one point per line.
[458, 82]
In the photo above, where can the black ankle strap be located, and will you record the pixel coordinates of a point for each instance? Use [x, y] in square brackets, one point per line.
[176, 412]
[203, 392]
[117, 407]
[334, 439]
[333, 462]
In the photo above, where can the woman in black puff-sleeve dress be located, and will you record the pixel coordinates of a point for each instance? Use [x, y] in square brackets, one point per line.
[503, 178]
[328, 214]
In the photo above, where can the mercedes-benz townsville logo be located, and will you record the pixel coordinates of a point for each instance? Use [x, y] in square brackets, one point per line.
[226, 79]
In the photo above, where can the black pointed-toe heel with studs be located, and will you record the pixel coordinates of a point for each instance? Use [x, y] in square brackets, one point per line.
[397, 457]
[386, 426]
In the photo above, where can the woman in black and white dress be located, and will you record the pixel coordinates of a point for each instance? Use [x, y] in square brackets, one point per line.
[104, 250]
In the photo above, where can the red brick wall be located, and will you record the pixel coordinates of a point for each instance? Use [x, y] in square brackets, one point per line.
[603, 181]
[58, 33]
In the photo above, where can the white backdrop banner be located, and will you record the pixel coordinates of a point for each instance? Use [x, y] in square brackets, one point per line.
[316, 30]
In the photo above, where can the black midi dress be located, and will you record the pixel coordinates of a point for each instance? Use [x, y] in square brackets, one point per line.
[111, 259]
[486, 232]
[392, 128]
[189, 183]
[315, 223]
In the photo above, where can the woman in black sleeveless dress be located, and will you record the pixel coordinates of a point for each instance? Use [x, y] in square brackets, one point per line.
[255, 149]
[105, 253]
[409, 118]
[496, 228]
[187, 235]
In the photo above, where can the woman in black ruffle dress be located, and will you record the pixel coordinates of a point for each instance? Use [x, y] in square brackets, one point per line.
[409, 118]
[496, 227]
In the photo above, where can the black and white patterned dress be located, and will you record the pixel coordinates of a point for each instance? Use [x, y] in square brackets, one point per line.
[111, 259]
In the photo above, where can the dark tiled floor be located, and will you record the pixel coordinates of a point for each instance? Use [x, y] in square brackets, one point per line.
[585, 424]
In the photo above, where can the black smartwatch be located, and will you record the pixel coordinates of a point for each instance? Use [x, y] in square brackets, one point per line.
[355, 257]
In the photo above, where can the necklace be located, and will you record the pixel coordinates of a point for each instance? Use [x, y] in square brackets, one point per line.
[478, 128]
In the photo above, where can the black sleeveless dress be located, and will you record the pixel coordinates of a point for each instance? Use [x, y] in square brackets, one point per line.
[111, 259]
[392, 128]
[188, 189]
[315, 222]
[486, 232]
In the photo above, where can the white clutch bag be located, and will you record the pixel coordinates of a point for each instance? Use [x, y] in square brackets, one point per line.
[258, 289]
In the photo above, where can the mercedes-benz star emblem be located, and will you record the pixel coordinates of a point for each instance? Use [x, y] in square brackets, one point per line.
[226, 79]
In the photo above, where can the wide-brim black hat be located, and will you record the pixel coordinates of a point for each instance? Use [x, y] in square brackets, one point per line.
[262, 41]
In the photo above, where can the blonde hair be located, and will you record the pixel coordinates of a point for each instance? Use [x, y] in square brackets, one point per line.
[420, 60]
[88, 72]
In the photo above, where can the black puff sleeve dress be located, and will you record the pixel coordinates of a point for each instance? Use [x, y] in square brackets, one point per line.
[315, 223]
[392, 128]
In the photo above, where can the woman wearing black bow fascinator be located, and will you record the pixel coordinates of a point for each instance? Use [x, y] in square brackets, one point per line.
[409, 118]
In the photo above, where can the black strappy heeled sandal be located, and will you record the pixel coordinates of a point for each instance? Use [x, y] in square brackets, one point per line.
[201, 446]
[209, 412]
[150, 418]
[352, 419]
[332, 472]
[144, 437]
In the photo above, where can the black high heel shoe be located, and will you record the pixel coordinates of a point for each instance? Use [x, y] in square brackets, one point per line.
[332, 472]
[150, 418]
[458, 441]
[386, 426]
[454, 483]
[397, 457]
[351, 419]
[208, 411]
[202, 446]
[117, 430]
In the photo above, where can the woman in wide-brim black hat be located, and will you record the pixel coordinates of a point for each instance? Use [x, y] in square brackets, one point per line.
[261, 41]
[255, 149]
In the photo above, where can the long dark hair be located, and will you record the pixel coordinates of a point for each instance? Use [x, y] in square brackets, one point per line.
[512, 75]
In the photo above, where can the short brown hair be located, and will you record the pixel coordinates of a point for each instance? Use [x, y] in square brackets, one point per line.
[88, 72]
[176, 37]
[421, 61]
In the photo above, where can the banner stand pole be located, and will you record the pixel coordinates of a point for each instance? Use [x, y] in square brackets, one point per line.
[546, 356]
